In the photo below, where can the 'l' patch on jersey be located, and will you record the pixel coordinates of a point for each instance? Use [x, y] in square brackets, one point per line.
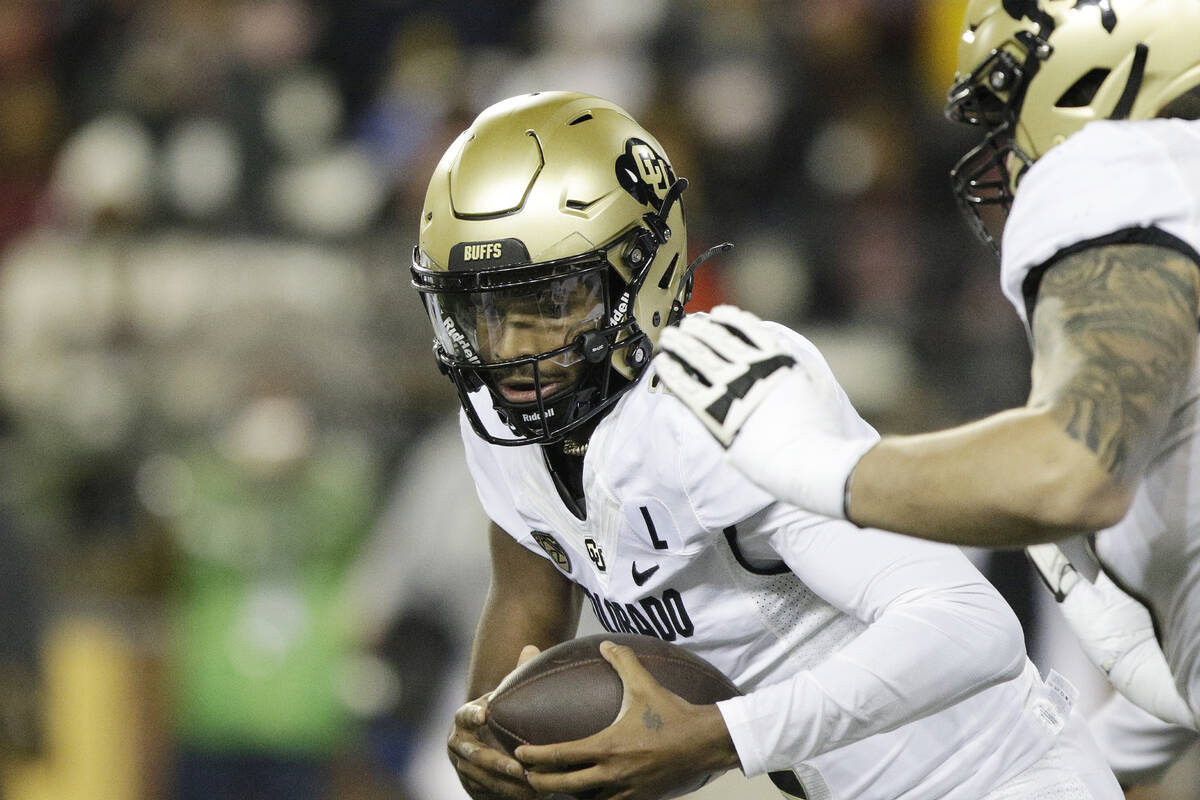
[652, 523]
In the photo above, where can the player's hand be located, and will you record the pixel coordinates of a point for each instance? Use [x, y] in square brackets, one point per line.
[722, 367]
[1116, 633]
[485, 771]
[658, 743]
[780, 419]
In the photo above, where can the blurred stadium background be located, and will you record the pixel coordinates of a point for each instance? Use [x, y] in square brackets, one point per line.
[238, 547]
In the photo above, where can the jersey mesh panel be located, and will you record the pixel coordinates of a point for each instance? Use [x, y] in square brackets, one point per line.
[793, 613]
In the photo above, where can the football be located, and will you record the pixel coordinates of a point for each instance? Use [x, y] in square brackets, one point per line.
[569, 691]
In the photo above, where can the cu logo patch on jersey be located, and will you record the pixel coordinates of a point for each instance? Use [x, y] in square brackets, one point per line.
[595, 553]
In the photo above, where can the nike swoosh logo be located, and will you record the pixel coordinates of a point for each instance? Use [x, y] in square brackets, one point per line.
[641, 577]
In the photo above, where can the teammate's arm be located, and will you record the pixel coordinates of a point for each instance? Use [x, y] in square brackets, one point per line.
[528, 602]
[1114, 333]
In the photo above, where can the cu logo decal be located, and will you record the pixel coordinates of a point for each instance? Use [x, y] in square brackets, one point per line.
[595, 553]
[644, 173]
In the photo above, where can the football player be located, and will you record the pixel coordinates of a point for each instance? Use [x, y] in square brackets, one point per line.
[551, 258]
[1089, 113]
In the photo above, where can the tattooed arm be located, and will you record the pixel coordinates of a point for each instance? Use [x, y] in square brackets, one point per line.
[1114, 340]
[1115, 335]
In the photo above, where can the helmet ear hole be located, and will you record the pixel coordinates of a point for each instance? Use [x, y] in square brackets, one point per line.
[1083, 91]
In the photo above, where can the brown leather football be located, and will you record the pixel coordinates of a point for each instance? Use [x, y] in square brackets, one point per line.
[570, 692]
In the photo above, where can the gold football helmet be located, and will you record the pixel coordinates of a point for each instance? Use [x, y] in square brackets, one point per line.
[551, 255]
[1033, 72]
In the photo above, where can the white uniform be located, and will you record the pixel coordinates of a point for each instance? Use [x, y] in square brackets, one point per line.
[1139, 746]
[1130, 182]
[875, 666]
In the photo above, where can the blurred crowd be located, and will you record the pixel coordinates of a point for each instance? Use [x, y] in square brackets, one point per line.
[238, 548]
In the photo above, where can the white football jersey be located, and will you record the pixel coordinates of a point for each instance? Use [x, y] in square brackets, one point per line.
[874, 666]
[1131, 182]
[1139, 746]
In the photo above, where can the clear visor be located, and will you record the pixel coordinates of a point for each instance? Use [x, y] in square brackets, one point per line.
[539, 318]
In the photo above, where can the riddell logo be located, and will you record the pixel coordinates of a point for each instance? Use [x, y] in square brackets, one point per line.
[536, 417]
[620, 311]
[483, 252]
[457, 336]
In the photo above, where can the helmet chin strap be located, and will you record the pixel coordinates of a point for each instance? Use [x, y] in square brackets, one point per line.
[1137, 71]
[685, 283]
[656, 221]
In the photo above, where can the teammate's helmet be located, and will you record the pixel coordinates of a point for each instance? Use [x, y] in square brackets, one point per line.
[1033, 72]
[549, 261]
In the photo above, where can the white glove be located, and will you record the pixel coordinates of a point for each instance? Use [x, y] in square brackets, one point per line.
[780, 421]
[1116, 634]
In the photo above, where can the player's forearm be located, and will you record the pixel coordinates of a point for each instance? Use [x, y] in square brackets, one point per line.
[714, 749]
[528, 602]
[511, 620]
[923, 657]
[1009, 480]
[499, 638]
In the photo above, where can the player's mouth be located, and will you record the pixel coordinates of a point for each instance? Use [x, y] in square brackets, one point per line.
[517, 390]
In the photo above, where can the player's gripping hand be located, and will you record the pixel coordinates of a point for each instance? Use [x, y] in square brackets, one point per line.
[1116, 633]
[485, 771]
[658, 743]
[780, 420]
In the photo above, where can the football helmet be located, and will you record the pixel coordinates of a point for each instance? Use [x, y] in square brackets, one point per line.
[1033, 72]
[551, 255]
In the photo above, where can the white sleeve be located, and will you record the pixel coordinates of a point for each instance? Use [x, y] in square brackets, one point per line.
[937, 632]
[1109, 178]
[1138, 746]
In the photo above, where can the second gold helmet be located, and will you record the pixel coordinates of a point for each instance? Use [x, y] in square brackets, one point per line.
[1033, 72]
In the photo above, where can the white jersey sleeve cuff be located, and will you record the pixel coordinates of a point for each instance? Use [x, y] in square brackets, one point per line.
[799, 462]
[743, 725]
[760, 722]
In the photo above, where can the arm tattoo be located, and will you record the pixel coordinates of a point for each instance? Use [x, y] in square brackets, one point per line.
[1114, 337]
